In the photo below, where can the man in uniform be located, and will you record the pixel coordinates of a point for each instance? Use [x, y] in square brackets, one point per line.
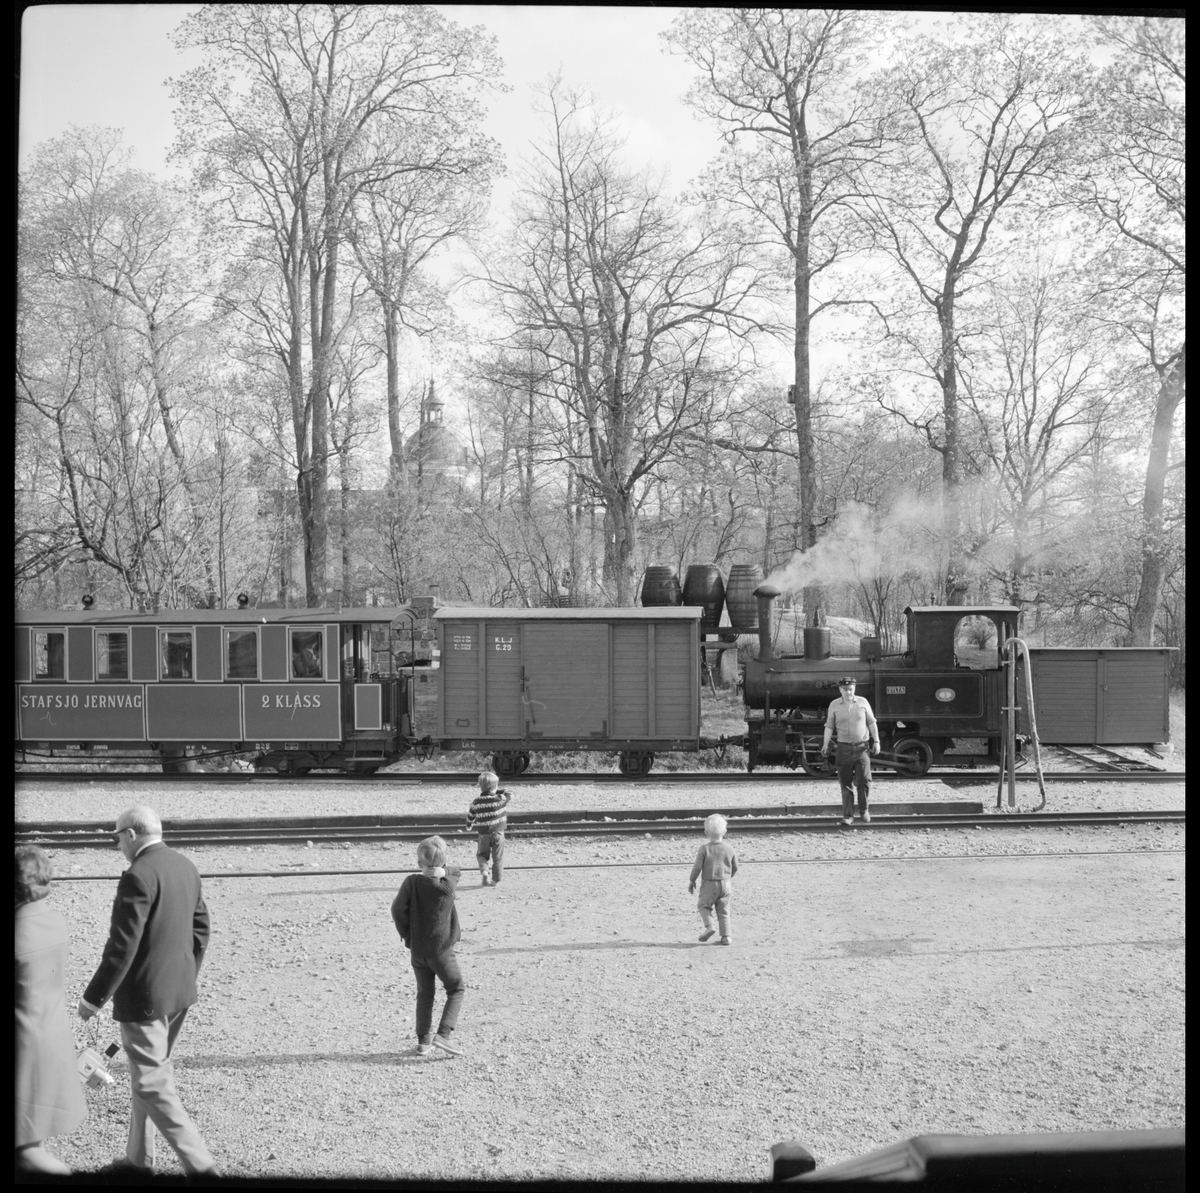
[854, 721]
[155, 945]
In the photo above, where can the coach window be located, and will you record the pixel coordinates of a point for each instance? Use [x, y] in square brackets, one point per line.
[306, 654]
[177, 654]
[112, 654]
[49, 654]
[241, 654]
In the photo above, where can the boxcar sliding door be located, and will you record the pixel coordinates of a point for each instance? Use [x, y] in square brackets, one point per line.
[566, 679]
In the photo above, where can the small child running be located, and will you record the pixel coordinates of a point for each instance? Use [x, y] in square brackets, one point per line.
[716, 864]
[487, 816]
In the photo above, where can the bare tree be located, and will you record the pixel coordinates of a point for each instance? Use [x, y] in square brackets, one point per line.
[286, 122]
[783, 81]
[632, 309]
[1131, 179]
[974, 125]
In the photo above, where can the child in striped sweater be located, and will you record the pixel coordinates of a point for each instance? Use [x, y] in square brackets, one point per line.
[487, 816]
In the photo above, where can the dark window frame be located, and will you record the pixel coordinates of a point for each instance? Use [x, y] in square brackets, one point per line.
[124, 632]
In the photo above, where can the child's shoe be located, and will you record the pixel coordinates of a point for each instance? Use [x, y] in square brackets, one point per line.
[484, 880]
[726, 940]
[424, 1049]
[708, 934]
[446, 1046]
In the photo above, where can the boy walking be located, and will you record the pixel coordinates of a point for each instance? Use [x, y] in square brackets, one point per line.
[427, 921]
[487, 816]
[715, 866]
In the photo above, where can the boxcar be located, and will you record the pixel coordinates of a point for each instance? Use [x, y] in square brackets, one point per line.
[296, 687]
[616, 679]
[1115, 695]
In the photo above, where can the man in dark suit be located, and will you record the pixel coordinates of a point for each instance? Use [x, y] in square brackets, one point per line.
[156, 942]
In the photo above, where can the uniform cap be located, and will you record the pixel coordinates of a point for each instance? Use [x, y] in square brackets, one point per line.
[846, 679]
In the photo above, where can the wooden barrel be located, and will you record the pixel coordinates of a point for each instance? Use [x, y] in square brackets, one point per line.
[660, 586]
[705, 586]
[744, 578]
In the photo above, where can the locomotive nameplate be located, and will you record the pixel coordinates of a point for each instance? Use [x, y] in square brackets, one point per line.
[279, 711]
[65, 712]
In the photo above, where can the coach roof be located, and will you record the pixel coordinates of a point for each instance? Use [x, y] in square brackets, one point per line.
[63, 617]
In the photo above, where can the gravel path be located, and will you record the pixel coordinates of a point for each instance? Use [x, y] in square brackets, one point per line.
[881, 985]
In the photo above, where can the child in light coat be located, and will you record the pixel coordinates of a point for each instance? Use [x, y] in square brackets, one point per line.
[715, 866]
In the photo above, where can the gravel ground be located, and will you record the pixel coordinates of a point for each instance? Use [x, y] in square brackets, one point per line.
[881, 985]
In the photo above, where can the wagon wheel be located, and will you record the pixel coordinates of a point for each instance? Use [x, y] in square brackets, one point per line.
[913, 757]
[635, 762]
[363, 769]
[506, 764]
[522, 763]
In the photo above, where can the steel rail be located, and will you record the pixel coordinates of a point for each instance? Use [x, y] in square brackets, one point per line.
[642, 825]
[953, 778]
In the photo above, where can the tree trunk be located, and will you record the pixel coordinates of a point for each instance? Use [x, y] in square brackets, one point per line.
[391, 340]
[1145, 610]
[620, 543]
[956, 563]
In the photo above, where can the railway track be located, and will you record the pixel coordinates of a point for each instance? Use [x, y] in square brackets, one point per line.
[382, 828]
[952, 778]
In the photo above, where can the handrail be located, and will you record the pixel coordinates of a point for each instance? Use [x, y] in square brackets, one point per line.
[1008, 738]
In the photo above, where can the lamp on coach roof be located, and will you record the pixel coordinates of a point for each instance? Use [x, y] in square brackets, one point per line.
[87, 600]
[243, 600]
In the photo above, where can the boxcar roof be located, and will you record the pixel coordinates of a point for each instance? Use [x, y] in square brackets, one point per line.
[600, 613]
[964, 610]
[55, 617]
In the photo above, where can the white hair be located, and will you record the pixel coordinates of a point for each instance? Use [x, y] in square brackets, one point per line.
[715, 826]
[488, 779]
[144, 821]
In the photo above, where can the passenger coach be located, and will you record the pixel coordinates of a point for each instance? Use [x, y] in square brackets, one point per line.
[300, 688]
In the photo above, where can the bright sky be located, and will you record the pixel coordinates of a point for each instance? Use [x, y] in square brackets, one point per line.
[107, 64]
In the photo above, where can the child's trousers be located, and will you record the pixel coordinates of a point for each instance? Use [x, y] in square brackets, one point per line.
[715, 892]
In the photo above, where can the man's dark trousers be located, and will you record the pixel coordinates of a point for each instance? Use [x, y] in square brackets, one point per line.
[854, 770]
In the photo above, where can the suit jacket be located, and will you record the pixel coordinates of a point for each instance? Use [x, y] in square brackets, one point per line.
[156, 940]
[49, 1096]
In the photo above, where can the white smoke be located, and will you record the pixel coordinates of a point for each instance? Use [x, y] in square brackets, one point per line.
[863, 544]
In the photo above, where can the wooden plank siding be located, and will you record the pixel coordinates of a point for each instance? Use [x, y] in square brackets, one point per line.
[504, 698]
[675, 667]
[460, 679]
[631, 681]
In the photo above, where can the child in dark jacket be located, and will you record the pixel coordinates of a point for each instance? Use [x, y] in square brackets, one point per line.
[427, 921]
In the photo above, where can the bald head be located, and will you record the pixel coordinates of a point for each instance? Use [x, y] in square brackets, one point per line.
[144, 821]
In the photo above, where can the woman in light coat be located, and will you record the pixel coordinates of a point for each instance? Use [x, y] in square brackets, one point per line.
[49, 1096]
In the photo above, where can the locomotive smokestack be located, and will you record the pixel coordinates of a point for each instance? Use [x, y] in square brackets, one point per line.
[765, 594]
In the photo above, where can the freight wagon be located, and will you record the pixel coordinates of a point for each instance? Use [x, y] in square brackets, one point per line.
[617, 680]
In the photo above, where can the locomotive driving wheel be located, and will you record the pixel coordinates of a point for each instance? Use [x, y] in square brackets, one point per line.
[817, 766]
[913, 757]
